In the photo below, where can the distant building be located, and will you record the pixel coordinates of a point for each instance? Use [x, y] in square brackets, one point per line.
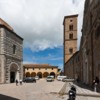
[41, 70]
[11, 50]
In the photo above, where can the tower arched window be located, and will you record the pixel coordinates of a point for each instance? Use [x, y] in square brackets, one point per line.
[70, 27]
[71, 36]
[70, 50]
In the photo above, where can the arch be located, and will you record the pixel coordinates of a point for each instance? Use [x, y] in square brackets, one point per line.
[52, 73]
[14, 72]
[39, 74]
[13, 68]
[33, 74]
[14, 63]
[28, 74]
[45, 74]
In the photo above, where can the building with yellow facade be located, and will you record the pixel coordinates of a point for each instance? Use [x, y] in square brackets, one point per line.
[41, 70]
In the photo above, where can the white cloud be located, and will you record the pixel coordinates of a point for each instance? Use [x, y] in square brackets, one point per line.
[39, 22]
[48, 58]
[29, 62]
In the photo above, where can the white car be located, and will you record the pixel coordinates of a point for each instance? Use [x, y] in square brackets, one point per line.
[37, 77]
[68, 80]
[59, 78]
[49, 79]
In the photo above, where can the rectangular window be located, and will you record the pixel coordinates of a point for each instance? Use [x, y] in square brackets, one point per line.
[71, 50]
[14, 49]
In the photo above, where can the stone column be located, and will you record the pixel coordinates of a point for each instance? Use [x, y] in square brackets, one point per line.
[3, 60]
[21, 71]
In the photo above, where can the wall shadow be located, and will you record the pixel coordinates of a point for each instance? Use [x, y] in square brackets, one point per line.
[83, 85]
[4, 97]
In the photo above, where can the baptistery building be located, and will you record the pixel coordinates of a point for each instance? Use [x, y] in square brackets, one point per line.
[11, 50]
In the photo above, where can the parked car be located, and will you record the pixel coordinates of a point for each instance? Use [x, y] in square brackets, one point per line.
[59, 78]
[49, 79]
[30, 79]
[67, 80]
[37, 77]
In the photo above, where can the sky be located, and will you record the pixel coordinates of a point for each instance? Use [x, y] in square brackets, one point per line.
[40, 24]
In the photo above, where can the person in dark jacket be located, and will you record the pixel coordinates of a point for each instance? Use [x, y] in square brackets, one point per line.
[16, 82]
[97, 80]
[96, 84]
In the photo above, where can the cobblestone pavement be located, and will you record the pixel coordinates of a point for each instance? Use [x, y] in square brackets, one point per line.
[41, 90]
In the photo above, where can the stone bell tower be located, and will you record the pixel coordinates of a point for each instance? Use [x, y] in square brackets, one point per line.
[70, 36]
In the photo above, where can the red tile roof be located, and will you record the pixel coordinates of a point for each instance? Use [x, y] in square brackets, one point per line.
[39, 65]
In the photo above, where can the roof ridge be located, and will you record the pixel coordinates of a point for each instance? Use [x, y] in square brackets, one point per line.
[2, 22]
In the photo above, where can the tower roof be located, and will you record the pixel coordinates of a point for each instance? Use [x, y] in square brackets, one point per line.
[69, 16]
[2, 22]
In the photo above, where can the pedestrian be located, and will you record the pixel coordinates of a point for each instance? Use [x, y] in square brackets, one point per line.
[16, 82]
[96, 84]
[77, 79]
[93, 82]
[97, 80]
[20, 82]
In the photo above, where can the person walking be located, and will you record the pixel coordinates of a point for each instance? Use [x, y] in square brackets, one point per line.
[16, 82]
[97, 80]
[96, 84]
[20, 82]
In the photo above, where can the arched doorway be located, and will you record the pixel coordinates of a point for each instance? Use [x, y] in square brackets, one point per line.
[45, 74]
[33, 74]
[39, 74]
[28, 74]
[53, 74]
[14, 73]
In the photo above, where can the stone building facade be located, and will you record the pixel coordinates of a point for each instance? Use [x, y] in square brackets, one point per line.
[41, 70]
[11, 54]
[89, 53]
[72, 66]
[90, 45]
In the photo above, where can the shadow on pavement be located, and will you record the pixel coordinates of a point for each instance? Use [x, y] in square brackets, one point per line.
[4, 97]
[82, 85]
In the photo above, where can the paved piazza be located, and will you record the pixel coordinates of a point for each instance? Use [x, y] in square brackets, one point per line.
[41, 90]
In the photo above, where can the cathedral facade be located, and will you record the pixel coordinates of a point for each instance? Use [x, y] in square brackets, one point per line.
[85, 64]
